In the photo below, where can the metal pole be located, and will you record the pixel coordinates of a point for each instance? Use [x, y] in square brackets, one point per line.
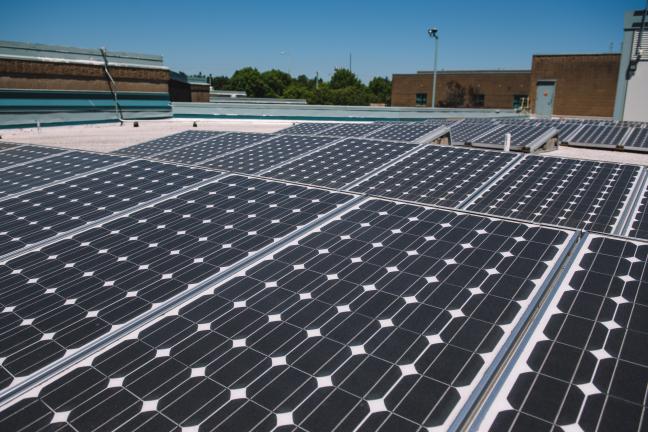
[436, 55]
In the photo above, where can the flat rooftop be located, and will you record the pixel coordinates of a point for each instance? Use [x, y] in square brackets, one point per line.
[111, 137]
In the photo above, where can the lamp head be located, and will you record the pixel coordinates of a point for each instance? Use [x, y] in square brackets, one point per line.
[433, 32]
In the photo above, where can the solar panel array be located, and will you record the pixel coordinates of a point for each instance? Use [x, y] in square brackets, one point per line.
[211, 148]
[437, 175]
[343, 330]
[637, 140]
[521, 135]
[331, 294]
[600, 136]
[41, 172]
[467, 130]
[585, 366]
[353, 129]
[308, 128]
[7, 145]
[167, 143]
[406, 131]
[340, 163]
[638, 226]
[26, 153]
[35, 216]
[567, 192]
[260, 157]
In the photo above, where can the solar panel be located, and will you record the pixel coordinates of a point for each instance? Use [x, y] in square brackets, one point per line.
[599, 136]
[385, 320]
[340, 163]
[637, 140]
[467, 130]
[522, 136]
[41, 172]
[572, 193]
[263, 156]
[69, 293]
[353, 129]
[406, 131]
[585, 366]
[22, 154]
[208, 149]
[7, 145]
[437, 175]
[166, 143]
[35, 216]
[639, 220]
[307, 128]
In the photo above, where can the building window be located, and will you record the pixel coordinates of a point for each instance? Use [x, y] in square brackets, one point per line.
[478, 100]
[421, 99]
[519, 100]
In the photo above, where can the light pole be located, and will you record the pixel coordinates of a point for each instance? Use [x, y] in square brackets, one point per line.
[433, 32]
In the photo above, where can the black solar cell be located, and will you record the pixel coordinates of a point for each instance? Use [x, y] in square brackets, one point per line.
[572, 193]
[167, 143]
[25, 153]
[467, 130]
[69, 293]
[33, 217]
[639, 220]
[585, 367]
[340, 163]
[521, 135]
[406, 131]
[384, 320]
[600, 136]
[637, 140]
[55, 168]
[308, 128]
[437, 175]
[213, 147]
[263, 156]
[353, 129]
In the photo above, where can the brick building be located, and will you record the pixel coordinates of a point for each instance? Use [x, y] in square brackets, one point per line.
[567, 84]
[480, 88]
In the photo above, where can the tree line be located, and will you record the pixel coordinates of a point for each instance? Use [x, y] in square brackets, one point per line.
[344, 88]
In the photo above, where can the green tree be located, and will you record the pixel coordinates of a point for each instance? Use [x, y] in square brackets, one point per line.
[455, 95]
[380, 89]
[298, 91]
[220, 82]
[277, 81]
[250, 81]
[344, 78]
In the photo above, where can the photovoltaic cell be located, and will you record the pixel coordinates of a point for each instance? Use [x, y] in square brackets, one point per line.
[521, 135]
[639, 221]
[340, 163]
[384, 320]
[585, 366]
[199, 152]
[406, 131]
[437, 175]
[353, 129]
[167, 143]
[567, 192]
[259, 157]
[600, 136]
[55, 168]
[69, 293]
[7, 145]
[24, 154]
[467, 130]
[637, 140]
[307, 128]
[35, 216]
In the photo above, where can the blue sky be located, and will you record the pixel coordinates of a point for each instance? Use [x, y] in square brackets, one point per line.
[384, 37]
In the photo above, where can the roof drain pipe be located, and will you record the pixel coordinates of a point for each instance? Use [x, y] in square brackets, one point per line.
[112, 85]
